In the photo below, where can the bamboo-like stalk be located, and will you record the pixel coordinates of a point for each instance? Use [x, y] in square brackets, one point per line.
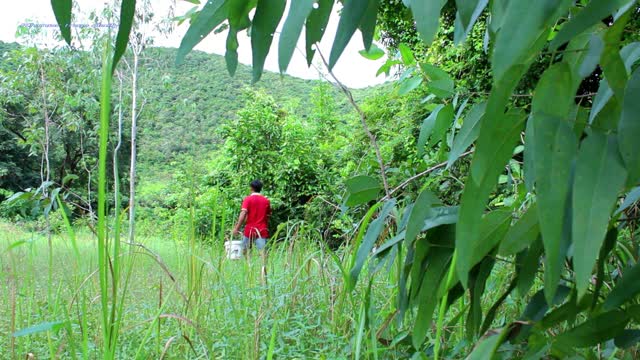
[103, 242]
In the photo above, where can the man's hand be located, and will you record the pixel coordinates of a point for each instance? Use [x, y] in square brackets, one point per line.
[236, 231]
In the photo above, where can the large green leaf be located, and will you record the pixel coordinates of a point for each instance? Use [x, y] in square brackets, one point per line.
[493, 151]
[361, 189]
[426, 13]
[316, 25]
[555, 87]
[593, 13]
[439, 82]
[477, 284]
[595, 330]
[212, 14]
[532, 19]
[626, 288]
[554, 148]
[368, 24]
[599, 178]
[426, 129]
[629, 127]
[127, 13]
[442, 124]
[231, 53]
[468, 133]
[436, 266]
[350, 19]
[527, 264]
[523, 233]
[265, 21]
[467, 14]
[492, 230]
[629, 54]
[369, 240]
[419, 213]
[62, 11]
[298, 12]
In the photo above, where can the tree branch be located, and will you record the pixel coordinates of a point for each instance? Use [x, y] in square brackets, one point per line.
[363, 120]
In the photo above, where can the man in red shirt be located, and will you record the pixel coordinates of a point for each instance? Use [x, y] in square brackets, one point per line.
[256, 210]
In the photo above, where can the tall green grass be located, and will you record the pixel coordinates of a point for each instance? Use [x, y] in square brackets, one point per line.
[297, 314]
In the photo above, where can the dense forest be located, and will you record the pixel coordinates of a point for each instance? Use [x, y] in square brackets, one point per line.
[483, 203]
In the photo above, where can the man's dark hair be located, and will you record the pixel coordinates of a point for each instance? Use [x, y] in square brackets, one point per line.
[256, 185]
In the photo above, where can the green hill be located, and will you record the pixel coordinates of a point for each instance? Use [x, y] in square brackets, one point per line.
[183, 104]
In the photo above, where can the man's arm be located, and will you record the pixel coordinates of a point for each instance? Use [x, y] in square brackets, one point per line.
[241, 218]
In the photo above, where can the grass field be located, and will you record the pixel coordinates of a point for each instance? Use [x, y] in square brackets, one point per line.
[183, 301]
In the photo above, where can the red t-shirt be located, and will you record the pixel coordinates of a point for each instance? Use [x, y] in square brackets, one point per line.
[258, 210]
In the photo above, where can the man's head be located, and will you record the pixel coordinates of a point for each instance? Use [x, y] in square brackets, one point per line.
[256, 186]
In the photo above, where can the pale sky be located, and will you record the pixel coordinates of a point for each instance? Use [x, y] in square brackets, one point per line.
[352, 69]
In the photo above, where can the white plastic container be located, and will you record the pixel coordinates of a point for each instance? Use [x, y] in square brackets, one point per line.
[234, 249]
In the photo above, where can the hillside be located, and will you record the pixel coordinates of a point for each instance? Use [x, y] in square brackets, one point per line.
[183, 104]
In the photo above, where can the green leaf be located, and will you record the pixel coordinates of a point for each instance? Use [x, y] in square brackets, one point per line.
[426, 129]
[369, 240]
[439, 82]
[298, 12]
[468, 133]
[610, 242]
[591, 14]
[533, 20]
[493, 150]
[374, 53]
[231, 53]
[592, 58]
[487, 347]
[627, 338]
[419, 213]
[626, 288]
[316, 25]
[467, 14]
[437, 262]
[523, 233]
[127, 13]
[629, 54]
[443, 122]
[62, 11]
[629, 128]
[42, 327]
[595, 330]
[406, 55]
[527, 266]
[410, 84]
[352, 14]
[492, 230]
[528, 167]
[265, 21]
[599, 178]
[555, 146]
[361, 189]
[632, 197]
[555, 87]
[426, 13]
[212, 14]
[477, 283]
[368, 24]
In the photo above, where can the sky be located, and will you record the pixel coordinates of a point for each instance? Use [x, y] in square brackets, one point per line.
[353, 70]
